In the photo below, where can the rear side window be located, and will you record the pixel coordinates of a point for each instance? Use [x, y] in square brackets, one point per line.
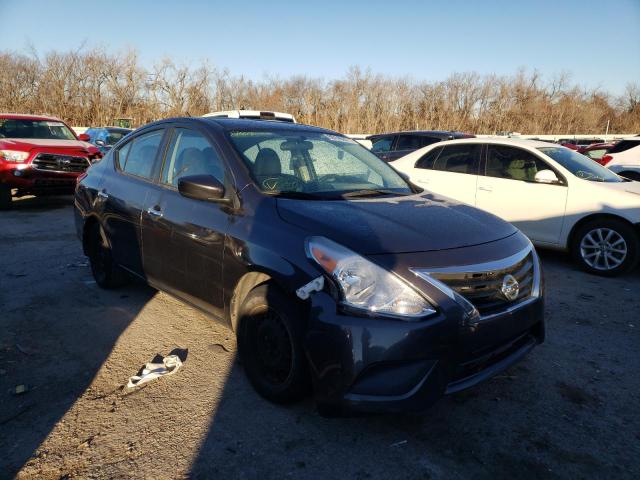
[190, 153]
[408, 142]
[459, 159]
[382, 144]
[414, 142]
[513, 163]
[137, 157]
[623, 145]
[427, 160]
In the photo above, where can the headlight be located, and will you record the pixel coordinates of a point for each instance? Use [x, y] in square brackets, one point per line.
[364, 285]
[13, 156]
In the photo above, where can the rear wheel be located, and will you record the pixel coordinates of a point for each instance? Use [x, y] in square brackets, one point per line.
[105, 272]
[5, 197]
[269, 341]
[606, 247]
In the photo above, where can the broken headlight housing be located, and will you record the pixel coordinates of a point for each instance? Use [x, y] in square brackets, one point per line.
[364, 286]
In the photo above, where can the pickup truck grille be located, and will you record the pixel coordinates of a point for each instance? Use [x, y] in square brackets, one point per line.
[52, 162]
[484, 288]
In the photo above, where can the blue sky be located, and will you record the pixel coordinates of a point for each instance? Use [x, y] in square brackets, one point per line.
[598, 43]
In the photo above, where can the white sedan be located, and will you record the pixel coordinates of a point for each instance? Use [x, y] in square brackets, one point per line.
[557, 197]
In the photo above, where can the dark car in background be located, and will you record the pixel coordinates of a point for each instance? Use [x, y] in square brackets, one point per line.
[106, 137]
[391, 146]
[335, 273]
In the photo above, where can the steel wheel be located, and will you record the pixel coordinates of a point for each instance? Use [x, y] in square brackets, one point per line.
[273, 347]
[603, 249]
[270, 344]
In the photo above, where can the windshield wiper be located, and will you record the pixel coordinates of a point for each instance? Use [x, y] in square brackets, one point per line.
[300, 195]
[372, 192]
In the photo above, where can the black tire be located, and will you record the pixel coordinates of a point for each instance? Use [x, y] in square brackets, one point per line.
[105, 271]
[270, 344]
[5, 197]
[590, 246]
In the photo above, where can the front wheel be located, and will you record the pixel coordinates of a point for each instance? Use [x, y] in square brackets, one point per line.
[5, 197]
[606, 247]
[270, 344]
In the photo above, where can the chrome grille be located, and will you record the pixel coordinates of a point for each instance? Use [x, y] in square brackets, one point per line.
[52, 162]
[484, 288]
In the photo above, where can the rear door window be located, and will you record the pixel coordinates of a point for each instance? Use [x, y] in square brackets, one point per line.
[138, 156]
[409, 142]
[463, 158]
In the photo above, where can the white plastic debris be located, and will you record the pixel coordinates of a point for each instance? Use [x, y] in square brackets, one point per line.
[170, 365]
[314, 285]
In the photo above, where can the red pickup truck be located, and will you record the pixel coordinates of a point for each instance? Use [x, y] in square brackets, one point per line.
[40, 156]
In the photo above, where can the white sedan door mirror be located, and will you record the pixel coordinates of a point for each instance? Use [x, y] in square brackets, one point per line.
[546, 176]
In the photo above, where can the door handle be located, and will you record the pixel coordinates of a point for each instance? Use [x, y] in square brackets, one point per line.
[154, 212]
[103, 194]
[486, 189]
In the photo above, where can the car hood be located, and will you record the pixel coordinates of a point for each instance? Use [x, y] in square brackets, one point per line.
[417, 223]
[28, 144]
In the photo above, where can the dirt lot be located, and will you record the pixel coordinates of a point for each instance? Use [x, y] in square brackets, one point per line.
[570, 410]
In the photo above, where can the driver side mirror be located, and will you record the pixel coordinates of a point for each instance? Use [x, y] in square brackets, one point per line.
[83, 137]
[546, 176]
[201, 187]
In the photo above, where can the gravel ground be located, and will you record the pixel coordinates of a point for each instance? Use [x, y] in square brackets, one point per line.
[569, 410]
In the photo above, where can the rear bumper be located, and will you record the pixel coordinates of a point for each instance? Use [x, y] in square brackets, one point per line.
[372, 364]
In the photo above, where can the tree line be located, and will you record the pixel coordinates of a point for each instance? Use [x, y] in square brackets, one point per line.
[94, 87]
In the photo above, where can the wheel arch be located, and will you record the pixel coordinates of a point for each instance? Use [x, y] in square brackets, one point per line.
[247, 282]
[597, 216]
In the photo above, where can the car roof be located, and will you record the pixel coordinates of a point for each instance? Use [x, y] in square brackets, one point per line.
[515, 142]
[246, 124]
[420, 132]
[26, 116]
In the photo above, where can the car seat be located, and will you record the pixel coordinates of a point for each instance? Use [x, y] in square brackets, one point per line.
[521, 170]
[191, 161]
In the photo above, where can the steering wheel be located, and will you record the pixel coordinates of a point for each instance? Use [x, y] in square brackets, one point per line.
[330, 178]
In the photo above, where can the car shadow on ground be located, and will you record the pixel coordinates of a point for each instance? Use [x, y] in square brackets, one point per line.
[57, 328]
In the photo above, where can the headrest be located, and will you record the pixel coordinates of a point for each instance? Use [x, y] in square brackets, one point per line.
[267, 163]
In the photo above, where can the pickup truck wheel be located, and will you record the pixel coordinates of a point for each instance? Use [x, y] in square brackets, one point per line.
[105, 272]
[606, 247]
[5, 197]
[270, 347]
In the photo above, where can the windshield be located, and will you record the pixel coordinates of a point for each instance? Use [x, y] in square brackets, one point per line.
[315, 165]
[41, 129]
[580, 165]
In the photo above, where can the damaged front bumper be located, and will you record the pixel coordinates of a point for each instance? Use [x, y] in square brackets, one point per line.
[383, 364]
